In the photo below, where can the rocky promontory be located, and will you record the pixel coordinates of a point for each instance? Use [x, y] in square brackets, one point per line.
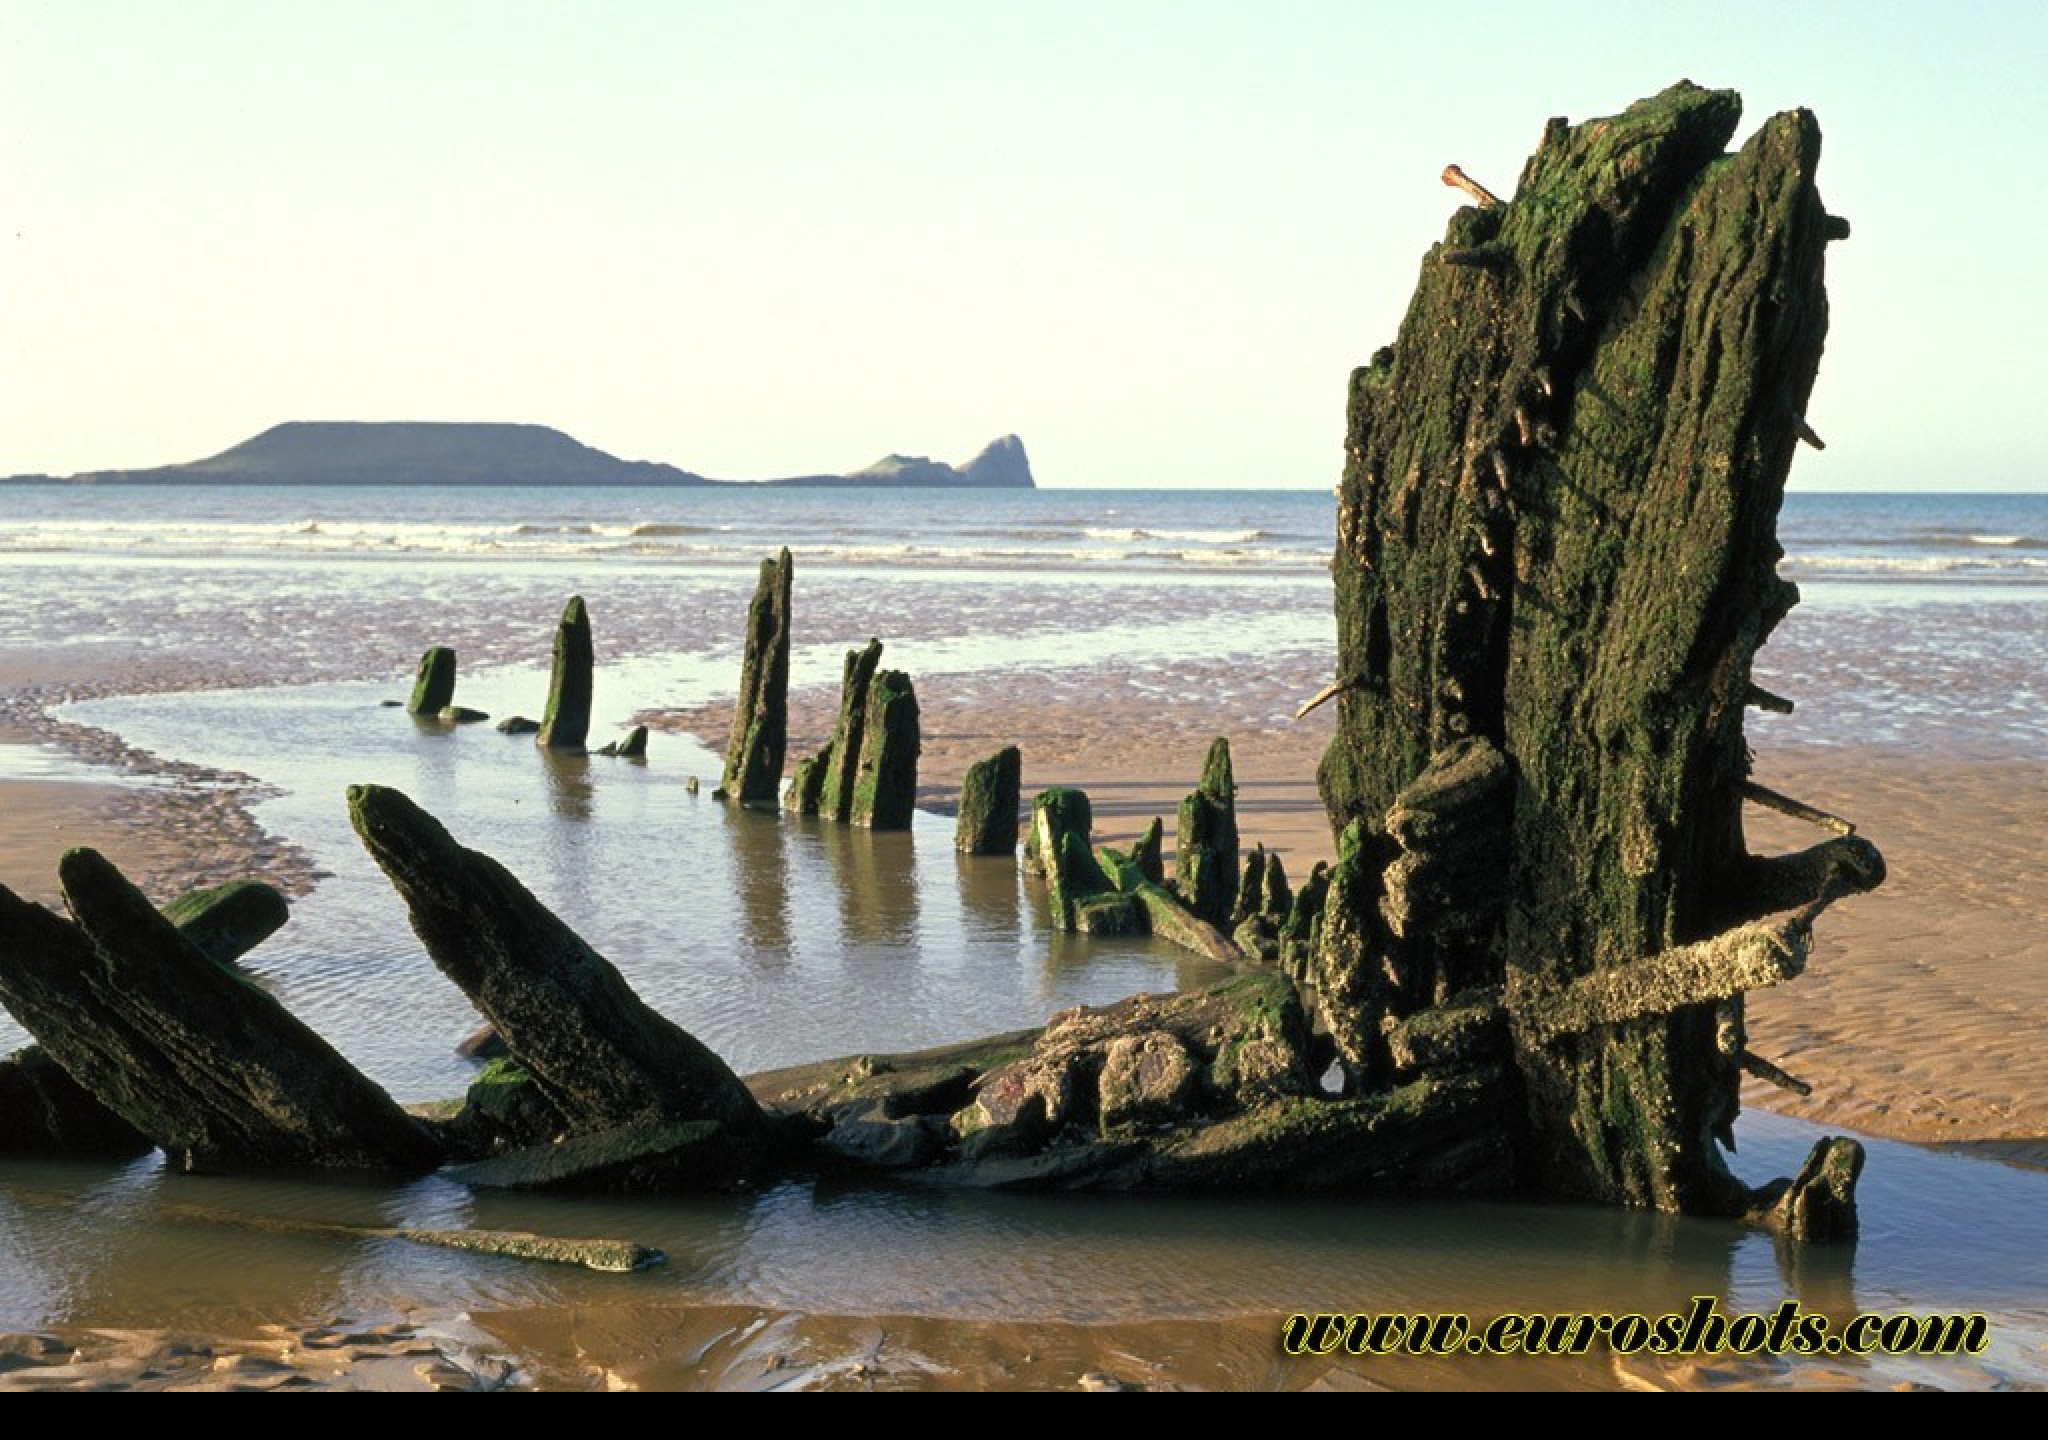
[425, 453]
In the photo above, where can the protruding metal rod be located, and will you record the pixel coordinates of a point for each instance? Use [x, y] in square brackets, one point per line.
[1797, 809]
[1764, 1070]
[1759, 698]
[1805, 432]
[1324, 696]
[1458, 180]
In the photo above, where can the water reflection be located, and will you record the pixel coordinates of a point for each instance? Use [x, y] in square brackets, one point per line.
[760, 869]
[991, 895]
[570, 792]
[875, 883]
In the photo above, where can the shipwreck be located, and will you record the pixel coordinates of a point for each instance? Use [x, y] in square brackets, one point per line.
[1524, 970]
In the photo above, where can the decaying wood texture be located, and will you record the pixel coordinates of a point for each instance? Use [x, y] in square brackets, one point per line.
[1556, 533]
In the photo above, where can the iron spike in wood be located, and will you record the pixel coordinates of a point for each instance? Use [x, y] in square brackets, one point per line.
[1458, 180]
[1749, 957]
[1764, 1070]
[1761, 699]
[1797, 809]
[1323, 697]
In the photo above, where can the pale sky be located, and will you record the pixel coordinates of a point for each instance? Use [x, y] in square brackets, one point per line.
[769, 237]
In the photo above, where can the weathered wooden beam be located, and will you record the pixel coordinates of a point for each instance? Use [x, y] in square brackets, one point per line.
[1205, 859]
[885, 784]
[990, 795]
[206, 1064]
[227, 921]
[1766, 885]
[760, 721]
[843, 755]
[1164, 914]
[1751, 957]
[596, 1051]
[565, 724]
[433, 689]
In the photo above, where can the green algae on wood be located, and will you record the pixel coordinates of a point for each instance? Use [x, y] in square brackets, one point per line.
[597, 1052]
[226, 922]
[433, 689]
[843, 756]
[755, 750]
[885, 783]
[205, 1063]
[806, 792]
[990, 795]
[1205, 861]
[1149, 853]
[633, 747]
[1556, 535]
[565, 724]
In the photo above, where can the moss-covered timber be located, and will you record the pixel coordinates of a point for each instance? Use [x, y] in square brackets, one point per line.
[760, 719]
[841, 758]
[597, 1053]
[1205, 859]
[227, 921]
[885, 782]
[990, 795]
[433, 688]
[1556, 534]
[200, 1060]
[565, 724]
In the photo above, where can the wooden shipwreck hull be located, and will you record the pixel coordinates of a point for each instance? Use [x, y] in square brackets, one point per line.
[1525, 970]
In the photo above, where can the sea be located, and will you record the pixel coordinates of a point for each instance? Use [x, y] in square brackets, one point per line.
[263, 628]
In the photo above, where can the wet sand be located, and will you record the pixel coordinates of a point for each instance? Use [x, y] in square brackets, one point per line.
[724, 1348]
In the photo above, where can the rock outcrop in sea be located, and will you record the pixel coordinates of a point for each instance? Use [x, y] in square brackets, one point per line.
[442, 453]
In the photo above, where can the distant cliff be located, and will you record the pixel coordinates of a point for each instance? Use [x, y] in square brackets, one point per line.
[1001, 464]
[431, 453]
